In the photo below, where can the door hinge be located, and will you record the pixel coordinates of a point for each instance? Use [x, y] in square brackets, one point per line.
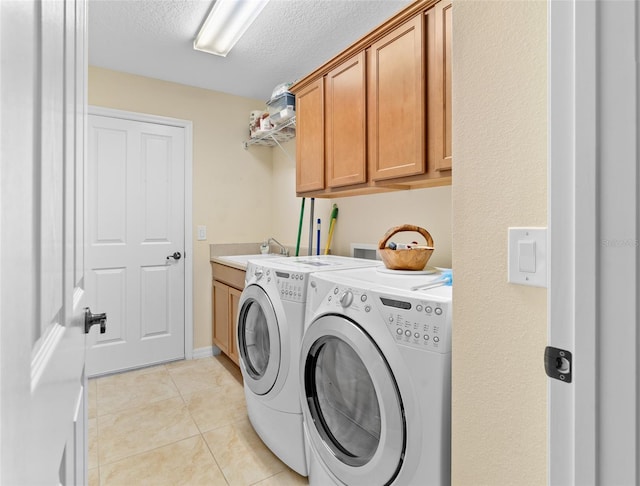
[558, 363]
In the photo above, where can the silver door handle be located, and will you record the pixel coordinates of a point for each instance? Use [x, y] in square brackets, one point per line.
[93, 319]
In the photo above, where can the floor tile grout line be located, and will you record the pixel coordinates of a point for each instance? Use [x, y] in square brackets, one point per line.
[215, 459]
[135, 454]
[184, 399]
[146, 405]
[135, 406]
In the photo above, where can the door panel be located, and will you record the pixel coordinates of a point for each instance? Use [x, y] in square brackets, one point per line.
[310, 170]
[156, 175]
[355, 418]
[111, 293]
[259, 341]
[109, 213]
[396, 103]
[346, 131]
[135, 177]
[234, 305]
[155, 302]
[42, 344]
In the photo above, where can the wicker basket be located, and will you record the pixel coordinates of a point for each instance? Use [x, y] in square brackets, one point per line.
[409, 259]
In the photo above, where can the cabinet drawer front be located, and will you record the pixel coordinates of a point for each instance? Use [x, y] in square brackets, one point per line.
[228, 275]
[397, 128]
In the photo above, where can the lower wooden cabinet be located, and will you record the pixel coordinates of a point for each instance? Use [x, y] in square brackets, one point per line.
[227, 287]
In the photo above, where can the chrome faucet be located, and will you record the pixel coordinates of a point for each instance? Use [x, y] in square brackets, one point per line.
[283, 249]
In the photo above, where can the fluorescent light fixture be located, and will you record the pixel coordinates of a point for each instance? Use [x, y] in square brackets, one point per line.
[226, 23]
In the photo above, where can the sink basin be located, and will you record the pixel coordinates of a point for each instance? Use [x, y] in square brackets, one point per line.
[243, 259]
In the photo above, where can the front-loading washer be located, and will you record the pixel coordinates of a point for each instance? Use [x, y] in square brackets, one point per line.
[269, 332]
[375, 379]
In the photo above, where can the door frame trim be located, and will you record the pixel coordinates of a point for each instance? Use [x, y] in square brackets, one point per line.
[187, 125]
[594, 270]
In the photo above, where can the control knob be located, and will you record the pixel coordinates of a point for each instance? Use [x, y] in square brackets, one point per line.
[346, 299]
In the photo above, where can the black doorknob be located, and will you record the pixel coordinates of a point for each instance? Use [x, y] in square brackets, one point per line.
[93, 319]
[175, 256]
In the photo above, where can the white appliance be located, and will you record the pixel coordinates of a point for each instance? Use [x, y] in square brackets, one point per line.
[376, 379]
[269, 333]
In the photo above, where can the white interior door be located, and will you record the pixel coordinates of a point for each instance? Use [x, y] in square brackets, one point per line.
[136, 207]
[594, 188]
[42, 338]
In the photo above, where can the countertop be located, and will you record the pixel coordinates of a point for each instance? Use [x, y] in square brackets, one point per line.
[236, 255]
[240, 261]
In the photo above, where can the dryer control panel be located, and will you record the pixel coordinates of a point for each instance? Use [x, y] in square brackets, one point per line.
[420, 324]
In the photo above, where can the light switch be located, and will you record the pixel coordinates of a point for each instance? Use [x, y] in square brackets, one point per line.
[202, 233]
[527, 256]
[527, 261]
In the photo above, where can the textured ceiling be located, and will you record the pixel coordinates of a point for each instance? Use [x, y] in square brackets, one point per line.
[287, 41]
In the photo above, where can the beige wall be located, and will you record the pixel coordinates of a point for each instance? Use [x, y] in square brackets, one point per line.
[499, 148]
[231, 186]
[361, 219]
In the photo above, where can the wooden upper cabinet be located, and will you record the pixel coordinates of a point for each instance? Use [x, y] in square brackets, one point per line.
[310, 137]
[377, 117]
[345, 123]
[442, 75]
[397, 124]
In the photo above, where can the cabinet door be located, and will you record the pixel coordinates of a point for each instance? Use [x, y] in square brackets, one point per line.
[221, 326]
[310, 137]
[234, 300]
[346, 128]
[442, 76]
[396, 126]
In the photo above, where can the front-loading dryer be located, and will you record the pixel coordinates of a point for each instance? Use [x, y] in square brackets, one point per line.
[269, 332]
[375, 380]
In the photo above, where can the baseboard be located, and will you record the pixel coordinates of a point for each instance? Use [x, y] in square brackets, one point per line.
[205, 352]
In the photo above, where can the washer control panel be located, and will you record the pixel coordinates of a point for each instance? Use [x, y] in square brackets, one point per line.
[422, 324]
[291, 285]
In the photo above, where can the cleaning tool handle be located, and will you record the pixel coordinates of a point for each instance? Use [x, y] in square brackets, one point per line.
[311, 208]
[318, 240]
[332, 224]
[300, 227]
[331, 227]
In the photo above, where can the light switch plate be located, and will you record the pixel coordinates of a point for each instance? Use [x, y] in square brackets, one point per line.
[202, 233]
[527, 261]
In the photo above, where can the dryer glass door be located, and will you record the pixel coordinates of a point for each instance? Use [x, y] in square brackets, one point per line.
[258, 340]
[353, 407]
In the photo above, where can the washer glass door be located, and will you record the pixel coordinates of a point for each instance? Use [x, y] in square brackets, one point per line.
[357, 423]
[258, 340]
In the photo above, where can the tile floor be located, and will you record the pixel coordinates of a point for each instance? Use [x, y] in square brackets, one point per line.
[181, 423]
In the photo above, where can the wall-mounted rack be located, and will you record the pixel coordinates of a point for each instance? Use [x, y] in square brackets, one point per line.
[276, 136]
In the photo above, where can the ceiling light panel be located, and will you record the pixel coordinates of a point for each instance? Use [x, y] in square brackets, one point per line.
[227, 21]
